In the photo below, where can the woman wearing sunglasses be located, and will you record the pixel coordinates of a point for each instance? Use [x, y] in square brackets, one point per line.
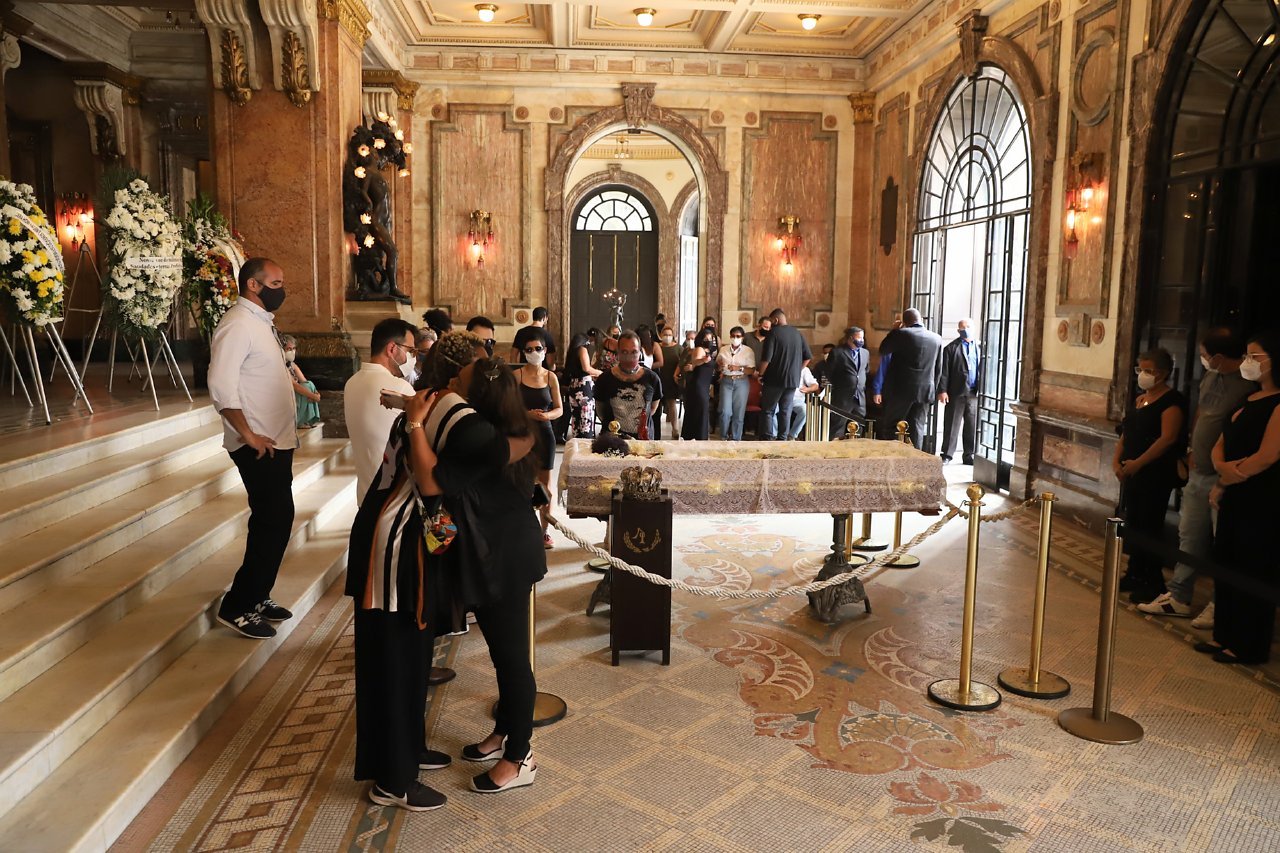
[540, 391]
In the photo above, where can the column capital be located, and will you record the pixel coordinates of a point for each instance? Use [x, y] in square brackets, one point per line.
[102, 103]
[864, 107]
[404, 90]
[10, 54]
[352, 15]
[231, 47]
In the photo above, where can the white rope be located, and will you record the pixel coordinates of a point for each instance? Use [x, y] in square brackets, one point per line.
[997, 516]
[719, 592]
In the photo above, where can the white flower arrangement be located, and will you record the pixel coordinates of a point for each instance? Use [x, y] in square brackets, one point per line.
[146, 260]
[31, 274]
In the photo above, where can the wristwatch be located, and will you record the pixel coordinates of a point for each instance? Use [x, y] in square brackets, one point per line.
[410, 426]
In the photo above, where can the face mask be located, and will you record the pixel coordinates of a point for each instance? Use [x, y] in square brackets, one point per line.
[764, 333]
[858, 343]
[737, 341]
[628, 361]
[1204, 362]
[409, 368]
[535, 358]
[290, 355]
[1146, 381]
[964, 334]
[272, 298]
[1251, 370]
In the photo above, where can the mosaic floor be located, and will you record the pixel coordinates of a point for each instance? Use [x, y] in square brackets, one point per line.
[769, 731]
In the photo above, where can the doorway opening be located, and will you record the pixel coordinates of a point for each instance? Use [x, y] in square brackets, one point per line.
[970, 250]
[613, 259]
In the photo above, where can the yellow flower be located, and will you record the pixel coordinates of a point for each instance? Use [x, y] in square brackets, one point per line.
[41, 257]
[27, 257]
[15, 227]
[38, 219]
[42, 290]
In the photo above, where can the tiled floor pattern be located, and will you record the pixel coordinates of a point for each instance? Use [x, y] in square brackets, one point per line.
[770, 731]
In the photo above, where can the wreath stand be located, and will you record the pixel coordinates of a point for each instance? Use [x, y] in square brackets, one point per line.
[27, 341]
[14, 373]
[163, 349]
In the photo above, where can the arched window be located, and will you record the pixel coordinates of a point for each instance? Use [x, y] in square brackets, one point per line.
[613, 210]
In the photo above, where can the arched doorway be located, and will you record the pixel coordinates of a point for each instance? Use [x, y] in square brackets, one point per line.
[613, 245]
[1211, 250]
[970, 248]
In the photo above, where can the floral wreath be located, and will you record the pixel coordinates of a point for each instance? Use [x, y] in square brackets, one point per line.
[211, 261]
[31, 271]
[146, 260]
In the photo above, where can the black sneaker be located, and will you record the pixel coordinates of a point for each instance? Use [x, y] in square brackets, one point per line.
[433, 759]
[249, 625]
[419, 798]
[273, 612]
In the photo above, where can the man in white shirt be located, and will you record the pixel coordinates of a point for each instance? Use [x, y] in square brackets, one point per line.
[368, 421]
[252, 390]
[737, 364]
[808, 385]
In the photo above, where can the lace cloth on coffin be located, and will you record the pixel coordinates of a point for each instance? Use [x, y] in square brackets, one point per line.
[715, 477]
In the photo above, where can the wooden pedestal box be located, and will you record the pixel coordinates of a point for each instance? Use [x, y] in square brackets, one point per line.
[640, 612]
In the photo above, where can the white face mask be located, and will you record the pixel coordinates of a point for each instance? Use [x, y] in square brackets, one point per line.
[1251, 370]
[290, 355]
[1146, 381]
[408, 368]
[1204, 362]
[535, 358]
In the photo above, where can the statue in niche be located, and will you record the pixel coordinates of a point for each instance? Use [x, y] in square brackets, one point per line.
[366, 202]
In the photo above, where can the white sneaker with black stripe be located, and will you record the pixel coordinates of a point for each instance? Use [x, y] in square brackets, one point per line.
[1166, 605]
[249, 625]
[1205, 620]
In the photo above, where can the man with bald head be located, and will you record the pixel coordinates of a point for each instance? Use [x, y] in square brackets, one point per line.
[961, 373]
[912, 374]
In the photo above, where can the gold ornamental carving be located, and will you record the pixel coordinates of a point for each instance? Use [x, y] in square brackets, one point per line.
[639, 543]
[293, 70]
[352, 15]
[235, 69]
[406, 90]
[864, 107]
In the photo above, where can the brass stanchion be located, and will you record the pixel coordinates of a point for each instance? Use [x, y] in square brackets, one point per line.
[963, 693]
[548, 708]
[863, 542]
[1032, 681]
[1099, 723]
[824, 414]
[904, 561]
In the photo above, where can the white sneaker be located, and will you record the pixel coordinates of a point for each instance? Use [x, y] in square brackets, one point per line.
[1166, 605]
[1205, 619]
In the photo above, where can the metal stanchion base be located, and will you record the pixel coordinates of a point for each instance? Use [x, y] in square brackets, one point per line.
[869, 545]
[981, 697]
[905, 561]
[598, 564]
[1116, 729]
[548, 708]
[1049, 686]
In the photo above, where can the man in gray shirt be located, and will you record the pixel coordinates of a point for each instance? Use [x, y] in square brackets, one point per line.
[1222, 391]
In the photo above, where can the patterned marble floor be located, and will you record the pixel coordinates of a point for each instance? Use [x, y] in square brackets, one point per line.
[769, 730]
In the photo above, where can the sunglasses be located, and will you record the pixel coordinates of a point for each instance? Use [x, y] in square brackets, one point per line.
[533, 349]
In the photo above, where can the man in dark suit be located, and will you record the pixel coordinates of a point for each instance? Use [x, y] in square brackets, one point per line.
[847, 373]
[913, 371]
[961, 373]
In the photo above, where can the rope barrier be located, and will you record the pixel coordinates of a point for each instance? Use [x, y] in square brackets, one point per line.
[998, 516]
[753, 594]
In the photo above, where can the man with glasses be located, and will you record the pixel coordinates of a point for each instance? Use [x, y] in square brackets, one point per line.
[251, 388]
[393, 357]
[537, 331]
[482, 327]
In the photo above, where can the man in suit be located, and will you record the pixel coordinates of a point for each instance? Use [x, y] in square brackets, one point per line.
[912, 375]
[961, 373]
[847, 373]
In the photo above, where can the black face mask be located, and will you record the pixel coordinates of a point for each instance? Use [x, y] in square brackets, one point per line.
[488, 346]
[272, 298]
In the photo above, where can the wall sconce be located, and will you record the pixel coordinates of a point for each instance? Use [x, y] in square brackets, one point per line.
[75, 219]
[1084, 198]
[788, 241]
[480, 235]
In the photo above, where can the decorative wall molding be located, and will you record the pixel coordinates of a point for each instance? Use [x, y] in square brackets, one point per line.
[375, 101]
[352, 15]
[402, 88]
[231, 47]
[637, 102]
[294, 27]
[864, 107]
[10, 54]
[102, 103]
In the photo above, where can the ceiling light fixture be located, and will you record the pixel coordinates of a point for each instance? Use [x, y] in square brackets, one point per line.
[808, 22]
[486, 11]
[644, 16]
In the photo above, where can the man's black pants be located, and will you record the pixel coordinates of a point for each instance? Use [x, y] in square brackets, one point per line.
[393, 658]
[269, 482]
[961, 415]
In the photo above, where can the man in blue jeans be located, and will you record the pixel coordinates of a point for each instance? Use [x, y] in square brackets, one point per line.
[1222, 391]
[785, 354]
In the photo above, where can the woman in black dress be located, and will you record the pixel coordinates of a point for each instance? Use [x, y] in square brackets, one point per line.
[670, 352]
[1153, 438]
[1245, 458]
[697, 389]
[540, 391]
[579, 378]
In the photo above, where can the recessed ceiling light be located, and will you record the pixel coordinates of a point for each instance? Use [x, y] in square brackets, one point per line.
[644, 16]
[486, 11]
[808, 21]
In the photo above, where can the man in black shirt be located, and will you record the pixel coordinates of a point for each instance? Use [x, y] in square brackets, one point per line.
[537, 331]
[785, 354]
[629, 392]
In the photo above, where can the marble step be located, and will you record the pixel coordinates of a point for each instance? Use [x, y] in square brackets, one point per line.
[66, 614]
[54, 497]
[31, 456]
[104, 728]
[60, 550]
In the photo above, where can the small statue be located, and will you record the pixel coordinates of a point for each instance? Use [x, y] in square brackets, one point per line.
[366, 214]
[616, 299]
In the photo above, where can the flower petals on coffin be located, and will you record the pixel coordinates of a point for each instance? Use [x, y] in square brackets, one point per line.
[770, 670]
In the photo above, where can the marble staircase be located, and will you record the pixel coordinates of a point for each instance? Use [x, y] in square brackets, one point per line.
[117, 544]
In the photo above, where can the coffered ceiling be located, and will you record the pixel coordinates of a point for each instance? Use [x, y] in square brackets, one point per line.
[844, 28]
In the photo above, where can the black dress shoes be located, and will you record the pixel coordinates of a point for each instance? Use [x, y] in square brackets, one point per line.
[439, 675]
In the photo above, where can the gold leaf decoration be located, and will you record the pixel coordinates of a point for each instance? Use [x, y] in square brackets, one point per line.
[235, 69]
[293, 70]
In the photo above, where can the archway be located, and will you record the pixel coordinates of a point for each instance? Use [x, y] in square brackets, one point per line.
[613, 245]
[1213, 178]
[637, 110]
[970, 247]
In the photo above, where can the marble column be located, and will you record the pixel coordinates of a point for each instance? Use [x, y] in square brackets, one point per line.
[861, 242]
